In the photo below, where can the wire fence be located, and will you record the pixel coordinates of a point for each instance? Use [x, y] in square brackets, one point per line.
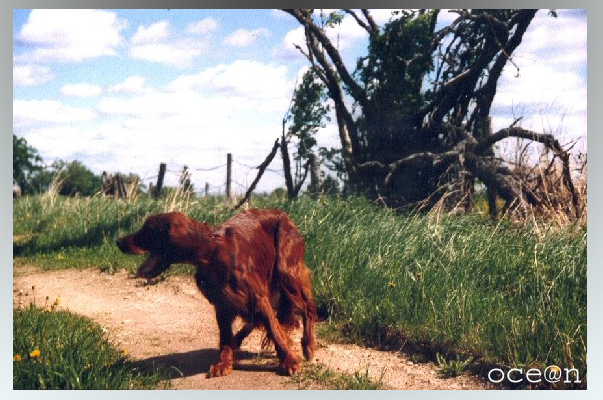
[209, 185]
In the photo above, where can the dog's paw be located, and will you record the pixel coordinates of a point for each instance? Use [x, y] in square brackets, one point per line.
[219, 369]
[289, 367]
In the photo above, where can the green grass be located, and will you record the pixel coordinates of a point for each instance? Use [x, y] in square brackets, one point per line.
[452, 368]
[504, 294]
[331, 380]
[59, 350]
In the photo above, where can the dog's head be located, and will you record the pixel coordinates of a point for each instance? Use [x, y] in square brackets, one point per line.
[167, 238]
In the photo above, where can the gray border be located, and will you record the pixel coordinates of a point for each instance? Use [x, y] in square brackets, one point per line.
[595, 253]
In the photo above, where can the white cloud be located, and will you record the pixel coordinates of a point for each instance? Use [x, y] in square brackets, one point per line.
[31, 75]
[540, 83]
[446, 17]
[287, 50]
[561, 41]
[28, 113]
[70, 35]
[244, 37]
[279, 14]
[342, 36]
[346, 33]
[71, 138]
[154, 106]
[133, 84]
[247, 78]
[81, 90]
[203, 27]
[156, 32]
[177, 54]
[381, 16]
[550, 93]
[156, 43]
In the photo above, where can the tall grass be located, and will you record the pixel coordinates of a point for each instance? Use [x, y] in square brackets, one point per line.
[514, 295]
[502, 293]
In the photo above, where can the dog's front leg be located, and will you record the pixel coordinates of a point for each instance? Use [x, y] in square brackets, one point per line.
[225, 364]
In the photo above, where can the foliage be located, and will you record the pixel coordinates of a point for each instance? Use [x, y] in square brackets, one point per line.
[26, 163]
[75, 178]
[393, 81]
[59, 350]
[308, 113]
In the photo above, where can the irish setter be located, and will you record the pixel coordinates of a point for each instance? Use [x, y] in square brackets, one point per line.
[250, 266]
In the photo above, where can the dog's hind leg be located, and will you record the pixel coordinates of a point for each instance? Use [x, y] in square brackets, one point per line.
[288, 361]
[242, 334]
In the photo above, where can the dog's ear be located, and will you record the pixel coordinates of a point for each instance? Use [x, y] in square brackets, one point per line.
[187, 234]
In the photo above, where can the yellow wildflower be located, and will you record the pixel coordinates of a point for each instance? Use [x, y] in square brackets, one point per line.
[35, 353]
[17, 357]
[47, 309]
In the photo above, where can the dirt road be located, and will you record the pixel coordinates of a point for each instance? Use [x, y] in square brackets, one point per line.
[172, 324]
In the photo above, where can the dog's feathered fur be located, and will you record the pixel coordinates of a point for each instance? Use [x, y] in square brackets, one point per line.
[250, 266]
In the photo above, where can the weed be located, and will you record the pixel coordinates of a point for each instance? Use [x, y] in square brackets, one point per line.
[328, 379]
[453, 367]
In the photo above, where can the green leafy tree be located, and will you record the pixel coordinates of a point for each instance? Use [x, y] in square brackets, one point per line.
[26, 164]
[307, 114]
[76, 179]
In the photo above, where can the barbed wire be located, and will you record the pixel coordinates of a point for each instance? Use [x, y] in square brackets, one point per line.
[174, 174]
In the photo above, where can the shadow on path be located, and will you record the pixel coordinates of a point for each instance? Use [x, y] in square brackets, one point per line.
[181, 365]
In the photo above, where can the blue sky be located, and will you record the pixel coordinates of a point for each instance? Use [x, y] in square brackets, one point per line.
[123, 90]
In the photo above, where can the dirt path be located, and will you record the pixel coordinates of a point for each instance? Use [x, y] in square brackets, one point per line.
[172, 324]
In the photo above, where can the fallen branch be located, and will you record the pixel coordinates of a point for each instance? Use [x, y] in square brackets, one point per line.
[547, 140]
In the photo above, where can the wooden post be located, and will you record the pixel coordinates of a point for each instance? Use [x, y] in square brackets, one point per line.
[120, 191]
[206, 189]
[315, 183]
[228, 176]
[160, 180]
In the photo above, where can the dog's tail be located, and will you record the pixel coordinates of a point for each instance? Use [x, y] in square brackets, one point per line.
[294, 277]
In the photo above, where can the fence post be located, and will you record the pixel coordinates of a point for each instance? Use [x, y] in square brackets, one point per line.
[315, 181]
[120, 191]
[206, 189]
[160, 180]
[228, 176]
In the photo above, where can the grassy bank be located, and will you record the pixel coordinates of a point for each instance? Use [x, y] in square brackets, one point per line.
[505, 294]
[59, 350]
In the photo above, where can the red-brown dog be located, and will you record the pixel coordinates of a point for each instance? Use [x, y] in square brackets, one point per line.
[250, 266]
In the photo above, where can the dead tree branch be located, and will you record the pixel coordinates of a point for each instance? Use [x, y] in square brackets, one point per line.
[261, 168]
